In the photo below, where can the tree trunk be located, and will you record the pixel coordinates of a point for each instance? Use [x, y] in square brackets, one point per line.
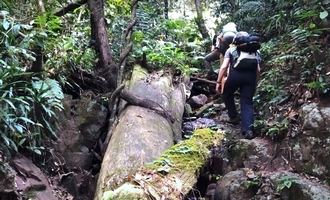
[200, 21]
[166, 9]
[37, 65]
[38, 50]
[41, 6]
[174, 174]
[105, 67]
[141, 134]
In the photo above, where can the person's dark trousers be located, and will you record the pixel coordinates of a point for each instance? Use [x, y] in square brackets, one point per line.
[245, 81]
[211, 57]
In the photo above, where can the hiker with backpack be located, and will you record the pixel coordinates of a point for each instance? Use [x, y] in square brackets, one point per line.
[220, 44]
[241, 64]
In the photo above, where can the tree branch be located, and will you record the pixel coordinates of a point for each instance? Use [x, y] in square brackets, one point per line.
[112, 120]
[203, 80]
[124, 53]
[130, 27]
[146, 103]
[69, 8]
[126, 40]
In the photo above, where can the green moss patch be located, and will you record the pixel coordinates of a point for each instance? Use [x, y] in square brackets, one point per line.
[138, 73]
[187, 155]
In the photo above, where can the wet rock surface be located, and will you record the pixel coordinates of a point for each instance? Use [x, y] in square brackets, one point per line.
[281, 185]
[192, 124]
[295, 186]
[75, 152]
[7, 178]
[197, 101]
[232, 186]
[22, 179]
[81, 124]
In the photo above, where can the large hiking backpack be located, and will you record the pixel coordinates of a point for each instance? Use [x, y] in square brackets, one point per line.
[250, 43]
[245, 54]
[247, 61]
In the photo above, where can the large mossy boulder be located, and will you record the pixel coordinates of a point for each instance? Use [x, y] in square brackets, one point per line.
[311, 149]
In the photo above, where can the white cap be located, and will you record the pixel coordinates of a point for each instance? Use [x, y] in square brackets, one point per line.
[231, 26]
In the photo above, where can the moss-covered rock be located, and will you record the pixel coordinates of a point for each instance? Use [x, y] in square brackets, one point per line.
[125, 192]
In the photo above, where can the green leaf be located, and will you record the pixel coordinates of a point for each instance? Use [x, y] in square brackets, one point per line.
[324, 14]
[5, 24]
[21, 141]
[26, 120]
[6, 139]
[49, 127]
[16, 29]
[164, 168]
[312, 25]
[4, 13]
[37, 151]
[287, 183]
[19, 128]
[183, 149]
[13, 145]
[10, 103]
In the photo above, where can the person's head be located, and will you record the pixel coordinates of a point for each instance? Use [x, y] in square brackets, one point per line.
[231, 26]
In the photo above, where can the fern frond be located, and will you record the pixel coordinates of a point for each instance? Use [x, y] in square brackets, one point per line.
[299, 36]
[50, 87]
[288, 58]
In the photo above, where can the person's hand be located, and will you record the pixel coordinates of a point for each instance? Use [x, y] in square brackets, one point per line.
[218, 87]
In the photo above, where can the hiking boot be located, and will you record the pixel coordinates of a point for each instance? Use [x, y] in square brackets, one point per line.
[248, 134]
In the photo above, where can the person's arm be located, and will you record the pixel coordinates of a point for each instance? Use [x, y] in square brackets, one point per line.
[214, 42]
[218, 40]
[222, 72]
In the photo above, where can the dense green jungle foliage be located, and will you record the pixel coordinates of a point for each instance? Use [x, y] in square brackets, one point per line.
[295, 53]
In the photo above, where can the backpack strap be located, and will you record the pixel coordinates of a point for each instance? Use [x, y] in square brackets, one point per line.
[235, 53]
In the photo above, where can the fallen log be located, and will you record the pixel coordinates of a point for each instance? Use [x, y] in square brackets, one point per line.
[142, 132]
[203, 80]
[171, 176]
[200, 111]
